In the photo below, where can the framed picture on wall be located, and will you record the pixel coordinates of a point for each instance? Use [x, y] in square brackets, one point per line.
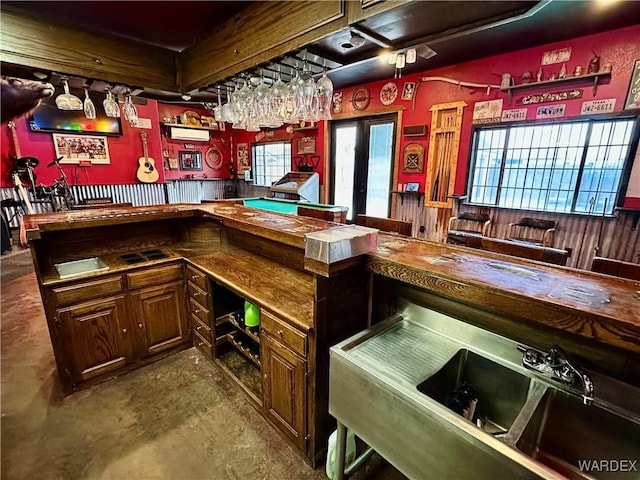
[407, 91]
[412, 187]
[190, 160]
[81, 148]
[633, 95]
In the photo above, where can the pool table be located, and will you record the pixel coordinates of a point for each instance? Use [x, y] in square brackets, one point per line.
[330, 213]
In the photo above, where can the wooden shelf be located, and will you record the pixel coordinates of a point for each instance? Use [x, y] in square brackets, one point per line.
[192, 127]
[410, 194]
[222, 332]
[595, 77]
[247, 351]
[246, 330]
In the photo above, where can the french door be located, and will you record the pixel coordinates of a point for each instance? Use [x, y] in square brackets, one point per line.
[361, 167]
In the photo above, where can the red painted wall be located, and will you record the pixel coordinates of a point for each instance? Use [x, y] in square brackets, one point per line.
[281, 135]
[619, 47]
[221, 140]
[124, 152]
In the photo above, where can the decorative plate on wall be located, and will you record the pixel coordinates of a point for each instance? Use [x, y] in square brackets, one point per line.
[361, 98]
[389, 93]
[213, 158]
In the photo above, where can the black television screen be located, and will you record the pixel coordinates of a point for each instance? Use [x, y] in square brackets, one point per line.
[49, 118]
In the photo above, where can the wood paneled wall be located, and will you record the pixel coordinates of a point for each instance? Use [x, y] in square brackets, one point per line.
[619, 241]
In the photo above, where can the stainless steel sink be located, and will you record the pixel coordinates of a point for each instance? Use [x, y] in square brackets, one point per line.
[80, 267]
[390, 385]
[568, 436]
[501, 392]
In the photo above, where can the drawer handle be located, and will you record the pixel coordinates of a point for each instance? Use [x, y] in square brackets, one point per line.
[124, 330]
[193, 277]
[280, 332]
[195, 294]
[140, 325]
[196, 311]
[198, 328]
[200, 344]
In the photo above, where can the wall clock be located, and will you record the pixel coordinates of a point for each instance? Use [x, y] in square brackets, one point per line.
[361, 98]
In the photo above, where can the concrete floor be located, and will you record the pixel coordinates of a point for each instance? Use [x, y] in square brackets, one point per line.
[176, 419]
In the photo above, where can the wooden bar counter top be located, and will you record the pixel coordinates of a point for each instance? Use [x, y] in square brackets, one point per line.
[591, 305]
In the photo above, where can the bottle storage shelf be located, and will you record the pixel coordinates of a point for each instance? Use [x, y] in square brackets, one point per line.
[245, 346]
[251, 332]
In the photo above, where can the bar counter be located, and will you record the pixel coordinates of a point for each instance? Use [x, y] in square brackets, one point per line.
[600, 307]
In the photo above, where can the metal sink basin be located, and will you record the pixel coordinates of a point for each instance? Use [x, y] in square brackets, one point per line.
[501, 391]
[568, 436]
[80, 267]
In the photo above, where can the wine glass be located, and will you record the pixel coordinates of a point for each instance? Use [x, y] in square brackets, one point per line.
[89, 107]
[277, 100]
[111, 108]
[308, 96]
[291, 107]
[325, 96]
[129, 110]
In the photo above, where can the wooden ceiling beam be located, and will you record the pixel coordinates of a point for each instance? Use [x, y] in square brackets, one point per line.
[39, 45]
[259, 33]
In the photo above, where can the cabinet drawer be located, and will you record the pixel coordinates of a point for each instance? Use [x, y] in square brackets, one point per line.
[199, 311]
[202, 344]
[203, 329]
[79, 292]
[197, 294]
[285, 333]
[152, 276]
[197, 277]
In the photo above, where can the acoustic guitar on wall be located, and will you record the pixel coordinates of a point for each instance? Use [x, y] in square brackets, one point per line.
[147, 172]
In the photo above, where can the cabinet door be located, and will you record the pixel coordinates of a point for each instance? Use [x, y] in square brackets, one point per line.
[284, 389]
[160, 318]
[96, 337]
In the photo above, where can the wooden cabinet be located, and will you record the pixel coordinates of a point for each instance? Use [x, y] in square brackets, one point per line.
[160, 318]
[112, 324]
[199, 306]
[97, 337]
[284, 379]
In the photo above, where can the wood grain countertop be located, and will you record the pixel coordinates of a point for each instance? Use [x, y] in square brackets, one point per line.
[592, 305]
[286, 292]
[588, 304]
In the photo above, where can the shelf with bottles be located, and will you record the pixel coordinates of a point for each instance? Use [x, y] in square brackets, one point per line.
[245, 345]
[588, 77]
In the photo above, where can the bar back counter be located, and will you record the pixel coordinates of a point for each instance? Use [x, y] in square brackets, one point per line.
[124, 287]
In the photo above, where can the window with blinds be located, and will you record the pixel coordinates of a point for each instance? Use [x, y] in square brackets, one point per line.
[568, 167]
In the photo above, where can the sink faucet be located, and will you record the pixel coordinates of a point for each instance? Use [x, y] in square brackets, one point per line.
[559, 366]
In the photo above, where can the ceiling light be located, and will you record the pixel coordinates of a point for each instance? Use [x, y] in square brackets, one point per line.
[186, 97]
[40, 75]
[356, 40]
[393, 58]
[400, 61]
[411, 55]
[425, 52]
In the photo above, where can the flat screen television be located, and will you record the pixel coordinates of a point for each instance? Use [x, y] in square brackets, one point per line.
[49, 118]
